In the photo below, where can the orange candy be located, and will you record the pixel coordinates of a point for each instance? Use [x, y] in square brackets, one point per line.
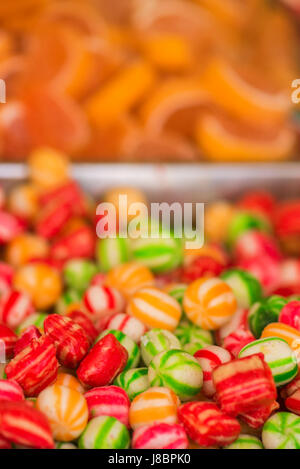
[23, 201]
[65, 379]
[25, 247]
[285, 332]
[48, 168]
[169, 53]
[129, 278]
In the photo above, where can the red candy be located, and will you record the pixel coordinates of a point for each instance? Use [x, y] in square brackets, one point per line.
[69, 338]
[9, 338]
[290, 314]
[22, 424]
[10, 391]
[202, 266]
[102, 301]
[103, 363]
[6, 277]
[86, 324]
[98, 279]
[69, 194]
[160, 436]
[207, 425]
[244, 385]
[32, 332]
[235, 341]
[79, 243]
[108, 400]
[256, 418]
[10, 226]
[52, 219]
[258, 202]
[265, 269]
[291, 387]
[293, 402]
[5, 444]
[35, 367]
[15, 306]
[253, 244]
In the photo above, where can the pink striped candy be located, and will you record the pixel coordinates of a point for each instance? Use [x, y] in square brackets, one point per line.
[32, 332]
[101, 300]
[290, 314]
[129, 325]
[111, 401]
[209, 358]
[10, 391]
[15, 306]
[160, 436]
[239, 319]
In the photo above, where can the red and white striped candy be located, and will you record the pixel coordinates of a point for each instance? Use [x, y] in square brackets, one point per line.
[291, 387]
[132, 327]
[84, 321]
[290, 314]
[32, 332]
[10, 391]
[8, 338]
[290, 272]
[79, 243]
[209, 358]
[257, 417]
[6, 277]
[239, 319]
[253, 244]
[265, 269]
[10, 226]
[160, 436]
[15, 306]
[98, 279]
[292, 403]
[108, 400]
[102, 300]
[4, 443]
[235, 341]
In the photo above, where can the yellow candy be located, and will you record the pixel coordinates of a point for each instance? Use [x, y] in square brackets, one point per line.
[25, 247]
[129, 278]
[23, 201]
[217, 218]
[65, 379]
[48, 168]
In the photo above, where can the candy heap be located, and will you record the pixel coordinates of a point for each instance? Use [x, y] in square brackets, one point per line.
[112, 343]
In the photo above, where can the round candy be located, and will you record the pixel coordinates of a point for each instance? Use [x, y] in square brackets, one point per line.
[209, 358]
[25, 339]
[253, 244]
[10, 391]
[66, 410]
[130, 326]
[155, 405]
[266, 270]
[48, 168]
[24, 248]
[218, 216]
[112, 252]
[11, 226]
[278, 355]
[6, 277]
[178, 370]
[78, 273]
[209, 303]
[100, 301]
[104, 433]
[245, 221]
[264, 312]
[68, 301]
[160, 436]
[156, 341]
[15, 306]
[245, 287]
[192, 337]
[65, 379]
[84, 321]
[282, 431]
[290, 314]
[292, 403]
[131, 347]
[291, 387]
[134, 381]
[132, 195]
[108, 400]
[176, 290]
[7, 342]
[285, 332]
[34, 319]
[155, 308]
[245, 441]
[202, 266]
[23, 201]
[129, 278]
[41, 282]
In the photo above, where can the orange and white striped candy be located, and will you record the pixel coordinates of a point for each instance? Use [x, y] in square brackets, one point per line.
[209, 303]
[65, 379]
[129, 278]
[156, 404]
[66, 410]
[285, 332]
[155, 308]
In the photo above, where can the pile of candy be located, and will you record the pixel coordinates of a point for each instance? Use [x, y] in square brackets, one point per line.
[140, 80]
[117, 343]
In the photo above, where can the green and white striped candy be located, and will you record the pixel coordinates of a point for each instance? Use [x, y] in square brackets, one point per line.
[177, 370]
[192, 337]
[264, 312]
[282, 431]
[128, 343]
[67, 298]
[176, 290]
[245, 441]
[278, 355]
[156, 341]
[34, 319]
[63, 445]
[111, 252]
[104, 433]
[133, 381]
[78, 273]
[245, 287]
[245, 221]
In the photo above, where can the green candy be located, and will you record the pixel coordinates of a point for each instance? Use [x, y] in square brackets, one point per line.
[104, 433]
[78, 273]
[245, 287]
[111, 252]
[67, 298]
[134, 381]
[192, 337]
[245, 221]
[35, 319]
[282, 431]
[156, 341]
[264, 312]
[278, 355]
[177, 290]
[177, 370]
[128, 343]
[245, 441]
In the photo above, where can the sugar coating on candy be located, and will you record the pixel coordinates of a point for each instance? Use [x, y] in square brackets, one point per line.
[129, 278]
[257, 417]
[156, 341]
[160, 436]
[134, 381]
[192, 337]
[155, 308]
[132, 327]
[209, 303]
[66, 410]
[207, 425]
[245, 287]
[209, 358]
[282, 431]
[10, 391]
[15, 306]
[65, 379]
[104, 433]
[155, 405]
[101, 300]
[245, 441]
[108, 400]
[178, 370]
[244, 384]
[131, 347]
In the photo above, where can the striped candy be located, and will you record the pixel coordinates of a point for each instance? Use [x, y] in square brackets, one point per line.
[130, 326]
[292, 403]
[192, 337]
[66, 410]
[134, 381]
[209, 358]
[257, 417]
[178, 370]
[290, 314]
[25, 339]
[264, 312]
[112, 252]
[108, 400]
[10, 391]
[35, 319]
[129, 278]
[155, 308]
[7, 342]
[237, 321]
[156, 341]
[245, 287]
[128, 344]
[15, 306]
[245, 441]
[277, 354]
[102, 300]
[285, 332]
[209, 302]
[176, 290]
[104, 433]
[156, 405]
[87, 325]
[78, 273]
[160, 436]
[291, 387]
[65, 379]
[282, 431]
